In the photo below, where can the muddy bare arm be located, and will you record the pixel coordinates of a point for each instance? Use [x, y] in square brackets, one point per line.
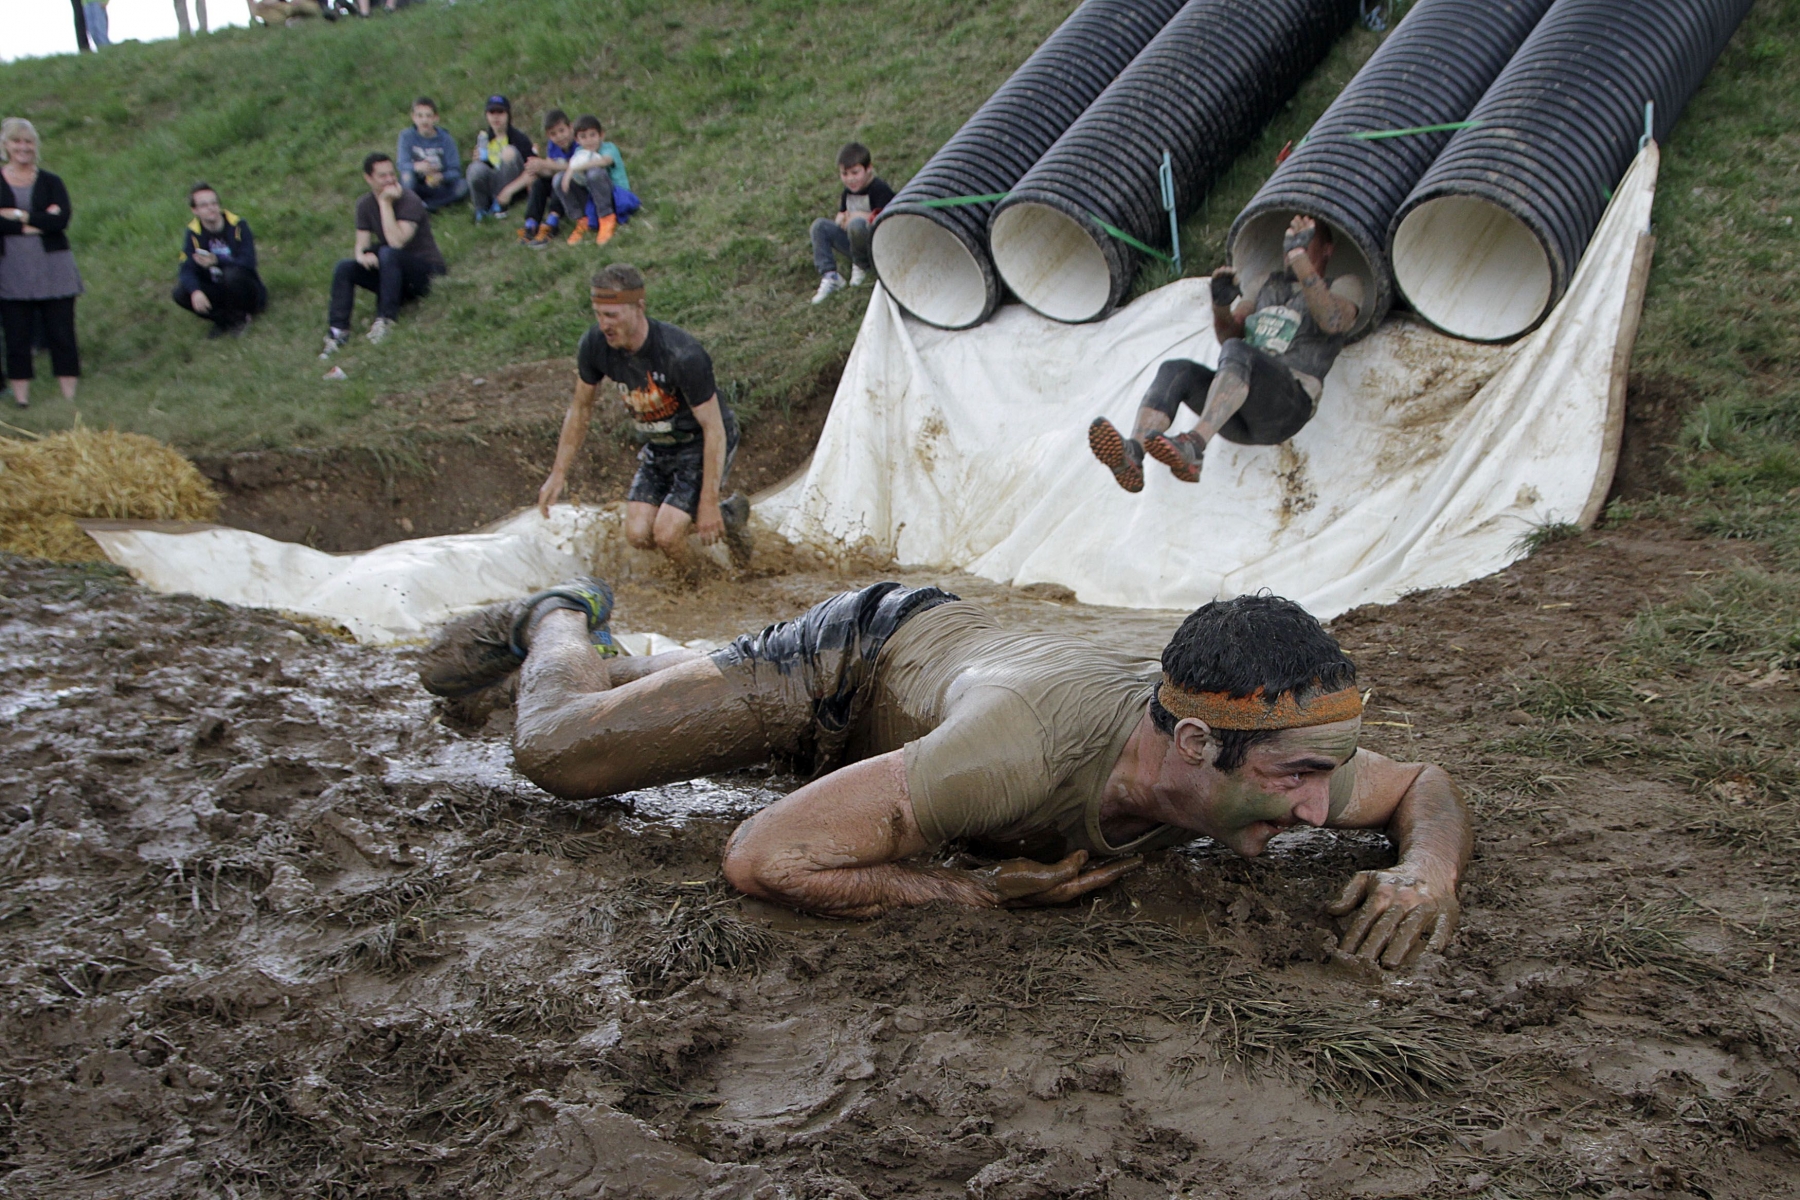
[835, 847]
[1332, 312]
[568, 443]
[1421, 810]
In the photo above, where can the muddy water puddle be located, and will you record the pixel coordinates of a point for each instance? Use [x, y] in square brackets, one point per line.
[270, 927]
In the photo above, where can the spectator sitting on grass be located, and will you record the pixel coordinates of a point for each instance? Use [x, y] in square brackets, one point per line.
[544, 208]
[430, 166]
[218, 279]
[286, 12]
[586, 186]
[395, 258]
[501, 151]
[865, 194]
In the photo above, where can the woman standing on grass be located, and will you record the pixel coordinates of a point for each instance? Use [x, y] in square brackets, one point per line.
[38, 279]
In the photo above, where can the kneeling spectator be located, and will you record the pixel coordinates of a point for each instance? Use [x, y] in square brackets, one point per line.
[396, 256]
[430, 166]
[501, 152]
[218, 279]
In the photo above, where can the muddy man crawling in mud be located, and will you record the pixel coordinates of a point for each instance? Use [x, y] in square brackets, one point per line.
[926, 723]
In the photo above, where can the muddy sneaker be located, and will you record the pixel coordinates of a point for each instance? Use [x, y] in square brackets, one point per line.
[830, 284]
[471, 653]
[1120, 455]
[1181, 454]
[738, 540]
[379, 330]
[586, 595]
[334, 341]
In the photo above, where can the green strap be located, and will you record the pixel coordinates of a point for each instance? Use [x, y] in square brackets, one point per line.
[1129, 240]
[1375, 135]
[959, 201]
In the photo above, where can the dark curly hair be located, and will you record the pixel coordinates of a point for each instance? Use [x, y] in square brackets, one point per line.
[1237, 646]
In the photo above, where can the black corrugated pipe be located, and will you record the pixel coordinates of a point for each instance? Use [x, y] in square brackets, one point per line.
[935, 261]
[1431, 70]
[1201, 90]
[1485, 244]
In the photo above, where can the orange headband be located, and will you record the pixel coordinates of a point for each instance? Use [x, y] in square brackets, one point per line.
[1255, 712]
[618, 296]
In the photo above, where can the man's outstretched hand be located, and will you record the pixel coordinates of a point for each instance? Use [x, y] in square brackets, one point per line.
[1024, 882]
[1394, 910]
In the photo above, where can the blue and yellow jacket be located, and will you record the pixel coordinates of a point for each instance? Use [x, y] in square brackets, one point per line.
[234, 245]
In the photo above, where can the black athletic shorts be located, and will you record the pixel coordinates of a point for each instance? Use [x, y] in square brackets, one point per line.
[672, 474]
[1277, 408]
[807, 679]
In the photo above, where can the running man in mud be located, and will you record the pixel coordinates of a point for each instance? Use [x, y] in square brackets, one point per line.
[689, 435]
[1273, 356]
[926, 723]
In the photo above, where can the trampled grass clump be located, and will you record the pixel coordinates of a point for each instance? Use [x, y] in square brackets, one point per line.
[1649, 935]
[1348, 1050]
[668, 935]
[1745, 617]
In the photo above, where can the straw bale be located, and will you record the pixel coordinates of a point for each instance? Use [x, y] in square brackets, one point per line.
[45, 485]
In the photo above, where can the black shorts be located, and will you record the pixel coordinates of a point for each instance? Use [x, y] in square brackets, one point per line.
[672, 474]
[1277, 407]
[807, 679]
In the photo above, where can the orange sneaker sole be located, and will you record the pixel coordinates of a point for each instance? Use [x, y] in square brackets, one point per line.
[1165, 452]
[1109, 447]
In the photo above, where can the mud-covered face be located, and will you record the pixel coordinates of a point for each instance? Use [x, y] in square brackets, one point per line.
[622, 325]
[1283, 782]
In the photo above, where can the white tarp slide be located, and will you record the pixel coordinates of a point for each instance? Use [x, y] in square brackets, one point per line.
[1427, 461]
[394, 593]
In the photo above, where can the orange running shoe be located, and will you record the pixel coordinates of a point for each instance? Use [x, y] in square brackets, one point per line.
[609, 225]
[542, 237]
[1120, 455]
[581, 229]
[1182, 454]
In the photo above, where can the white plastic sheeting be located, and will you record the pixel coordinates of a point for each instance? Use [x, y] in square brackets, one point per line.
[394, 593]
[1427, 461]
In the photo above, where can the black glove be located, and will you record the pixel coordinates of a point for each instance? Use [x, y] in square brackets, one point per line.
[1297, 240]
[1224, 290]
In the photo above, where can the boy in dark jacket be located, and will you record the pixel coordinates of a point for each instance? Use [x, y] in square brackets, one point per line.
[218, 279]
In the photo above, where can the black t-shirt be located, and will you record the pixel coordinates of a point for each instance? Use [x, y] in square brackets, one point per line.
[663, 381]
[407, 208]
[872, 199]
[515, 137]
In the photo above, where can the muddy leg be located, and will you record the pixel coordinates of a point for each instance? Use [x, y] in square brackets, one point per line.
[1230, 388]
[592, 727]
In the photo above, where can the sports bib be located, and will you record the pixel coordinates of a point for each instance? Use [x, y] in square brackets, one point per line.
[1272, 330]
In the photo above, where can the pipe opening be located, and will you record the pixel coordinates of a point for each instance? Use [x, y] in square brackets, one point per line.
[1050, 261]
[1257, 251]
[1472, 269]
[929, 271]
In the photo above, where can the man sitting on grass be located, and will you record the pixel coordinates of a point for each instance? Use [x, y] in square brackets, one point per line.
[396, 257]
[926, 723]
[218, 279]
[689, 435]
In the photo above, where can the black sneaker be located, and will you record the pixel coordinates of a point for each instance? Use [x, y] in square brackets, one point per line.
[1120, 455]
[738, 540]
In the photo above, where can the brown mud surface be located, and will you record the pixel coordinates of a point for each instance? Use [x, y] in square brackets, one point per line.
[476, 449]
[270, 927]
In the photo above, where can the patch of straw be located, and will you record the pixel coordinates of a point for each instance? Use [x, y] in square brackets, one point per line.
[48, 484]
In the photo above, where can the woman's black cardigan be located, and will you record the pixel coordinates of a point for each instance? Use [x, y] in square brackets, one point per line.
[46, 191]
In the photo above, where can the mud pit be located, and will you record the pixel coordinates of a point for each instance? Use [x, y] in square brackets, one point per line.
[272, 928]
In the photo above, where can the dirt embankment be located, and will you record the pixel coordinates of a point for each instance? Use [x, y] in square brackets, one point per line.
[477, 449]
[270, 928]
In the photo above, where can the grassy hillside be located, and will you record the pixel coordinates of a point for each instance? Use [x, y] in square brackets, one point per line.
[729, 116]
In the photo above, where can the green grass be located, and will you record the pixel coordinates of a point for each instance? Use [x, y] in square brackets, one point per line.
[729, 117]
